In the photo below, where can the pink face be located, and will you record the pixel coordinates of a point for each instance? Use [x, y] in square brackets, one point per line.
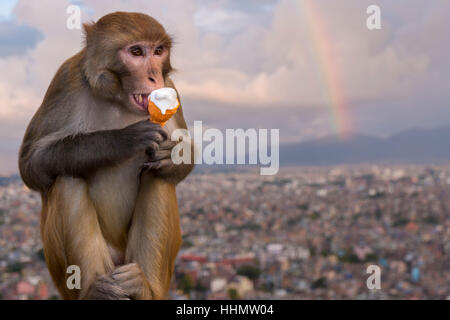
[144, 61]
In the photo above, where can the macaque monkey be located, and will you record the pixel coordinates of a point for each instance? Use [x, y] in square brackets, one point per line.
[104, 170]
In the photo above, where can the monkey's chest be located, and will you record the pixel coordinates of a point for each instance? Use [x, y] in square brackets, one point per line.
[114, 191]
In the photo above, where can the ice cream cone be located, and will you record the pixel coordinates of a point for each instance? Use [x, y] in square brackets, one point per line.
[162, 105]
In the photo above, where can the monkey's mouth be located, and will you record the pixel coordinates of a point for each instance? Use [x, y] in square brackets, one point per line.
[141, 100]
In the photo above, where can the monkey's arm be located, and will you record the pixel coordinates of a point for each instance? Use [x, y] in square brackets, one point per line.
[78, 155]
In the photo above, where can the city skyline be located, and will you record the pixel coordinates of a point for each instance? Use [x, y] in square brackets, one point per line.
[306, 233]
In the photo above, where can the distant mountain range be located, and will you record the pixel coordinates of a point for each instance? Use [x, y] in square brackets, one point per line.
[5, 180]
[415, 146]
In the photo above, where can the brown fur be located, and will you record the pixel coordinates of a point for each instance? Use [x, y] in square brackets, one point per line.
[83, 151]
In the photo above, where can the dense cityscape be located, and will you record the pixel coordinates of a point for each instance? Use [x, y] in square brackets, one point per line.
[305, 233]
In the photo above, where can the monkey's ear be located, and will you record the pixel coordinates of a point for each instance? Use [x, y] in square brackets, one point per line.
[89, 29]
[105, 84]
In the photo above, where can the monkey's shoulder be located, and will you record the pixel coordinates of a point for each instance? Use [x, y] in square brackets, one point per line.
[67, 81]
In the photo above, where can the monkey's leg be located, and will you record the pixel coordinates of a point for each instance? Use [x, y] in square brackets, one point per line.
[153, 241]
[71, 236]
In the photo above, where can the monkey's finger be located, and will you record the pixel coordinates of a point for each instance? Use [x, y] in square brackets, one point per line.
[152, 146]
[154, 136]
[167, 144]
[131, 286]
[105, 289]
[151, 165]
[117, 293]
[159, 154]
[160, 130]
[161, 165]
[166, 131]
[165, 163]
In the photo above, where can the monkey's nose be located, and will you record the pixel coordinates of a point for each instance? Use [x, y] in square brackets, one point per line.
[152, 80]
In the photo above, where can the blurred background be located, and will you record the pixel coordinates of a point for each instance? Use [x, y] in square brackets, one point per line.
[364, 123]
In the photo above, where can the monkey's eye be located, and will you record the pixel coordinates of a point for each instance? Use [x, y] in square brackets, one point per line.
[158, 51]
[136, 51]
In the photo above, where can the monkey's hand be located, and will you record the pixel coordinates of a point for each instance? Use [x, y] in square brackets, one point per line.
[144, 135]
[161, 164]
[132, 280]
[160, 159]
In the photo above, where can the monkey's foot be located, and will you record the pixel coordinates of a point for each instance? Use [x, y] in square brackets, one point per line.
[105, 288]
[133, 281]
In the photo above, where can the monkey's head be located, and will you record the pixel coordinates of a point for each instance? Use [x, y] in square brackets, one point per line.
[127, 57]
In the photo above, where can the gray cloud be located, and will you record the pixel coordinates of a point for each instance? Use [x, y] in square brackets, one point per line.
[16, 40]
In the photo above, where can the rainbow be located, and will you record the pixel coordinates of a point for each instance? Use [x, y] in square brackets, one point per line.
[329, 69]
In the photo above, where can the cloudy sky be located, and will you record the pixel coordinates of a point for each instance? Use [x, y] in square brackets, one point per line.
[308, 67]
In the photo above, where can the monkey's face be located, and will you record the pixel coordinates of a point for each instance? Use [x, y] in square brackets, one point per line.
[144, 64]
[127, 57]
